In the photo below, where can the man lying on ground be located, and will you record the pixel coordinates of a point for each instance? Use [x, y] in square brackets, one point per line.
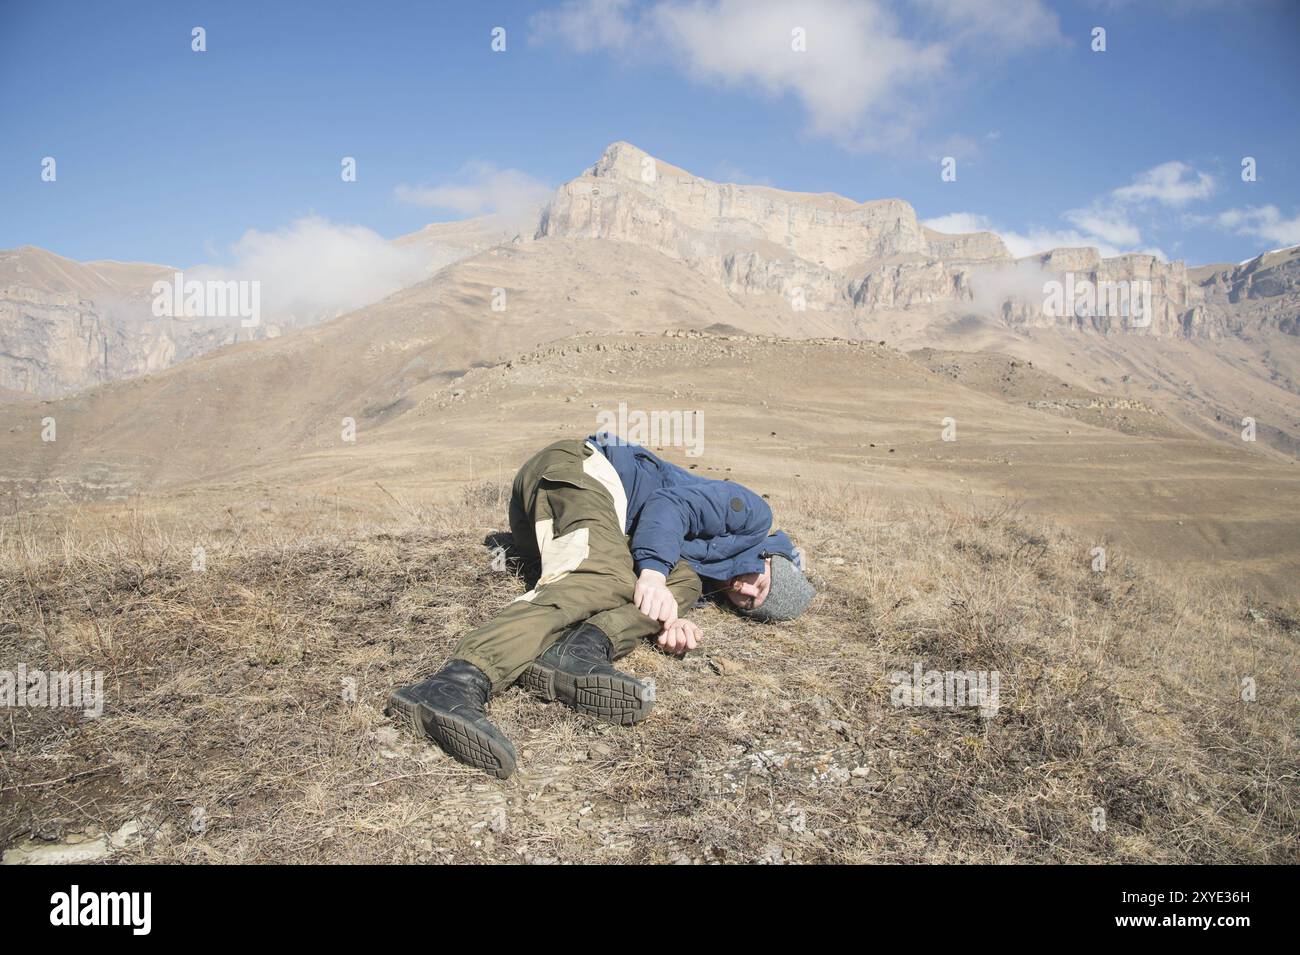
[620, 540]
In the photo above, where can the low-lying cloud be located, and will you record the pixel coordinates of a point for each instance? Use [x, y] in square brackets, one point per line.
[1037, 241]
[482, 189]
[1106, 223]
[314, 269]
[994, 285]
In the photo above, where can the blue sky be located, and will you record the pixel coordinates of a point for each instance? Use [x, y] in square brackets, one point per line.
[169, 155]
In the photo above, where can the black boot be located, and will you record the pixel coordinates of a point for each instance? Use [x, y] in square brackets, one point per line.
[448, 708]
[576, 670]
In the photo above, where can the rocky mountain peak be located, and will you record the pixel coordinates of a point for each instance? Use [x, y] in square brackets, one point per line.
[830, 253]
[824, 251]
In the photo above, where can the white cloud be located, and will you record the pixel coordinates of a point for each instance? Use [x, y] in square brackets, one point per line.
[1038, 241]
[314, 269]
[1009, 24]
[862, 77]
[1110, 225]
[1171, 183]
[482, 189]
[855, 64]
[589, 26]
[727, 171]
[992, 285]
[1262, 222]
[1106, 224]
[958, 222]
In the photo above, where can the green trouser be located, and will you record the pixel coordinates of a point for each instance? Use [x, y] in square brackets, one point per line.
[567, 508]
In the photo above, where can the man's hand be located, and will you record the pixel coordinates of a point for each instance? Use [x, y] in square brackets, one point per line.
[680, 635]
[653, 598]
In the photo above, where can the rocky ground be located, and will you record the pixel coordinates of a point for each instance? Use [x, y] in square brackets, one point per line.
[243, 704]
[1017, 380]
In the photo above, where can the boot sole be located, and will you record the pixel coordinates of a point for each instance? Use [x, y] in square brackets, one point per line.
[458, 737]
[614, 699]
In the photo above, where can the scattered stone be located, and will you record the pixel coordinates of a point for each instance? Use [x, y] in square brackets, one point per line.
[837, 775]
[77, 847]
[772, 854]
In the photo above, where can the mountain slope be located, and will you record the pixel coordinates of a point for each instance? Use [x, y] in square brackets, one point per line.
[258, 400]
[774, 413]
[66, 325]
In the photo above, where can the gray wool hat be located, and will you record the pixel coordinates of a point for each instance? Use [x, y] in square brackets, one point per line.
[790, 594]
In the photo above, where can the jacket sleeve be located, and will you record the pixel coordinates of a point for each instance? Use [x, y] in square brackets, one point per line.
[730, 517]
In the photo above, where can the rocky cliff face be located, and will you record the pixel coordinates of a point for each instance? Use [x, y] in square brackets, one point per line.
[52, 344]
[759, 240]
[1264, 290]
[1136, 294]
[66, 325]
[835, 253]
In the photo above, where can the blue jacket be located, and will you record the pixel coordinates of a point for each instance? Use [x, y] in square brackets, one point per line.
[720, 528]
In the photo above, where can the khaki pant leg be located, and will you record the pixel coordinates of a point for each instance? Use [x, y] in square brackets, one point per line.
[586, 568]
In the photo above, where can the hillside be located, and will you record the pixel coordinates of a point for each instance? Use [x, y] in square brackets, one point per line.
[772, 411]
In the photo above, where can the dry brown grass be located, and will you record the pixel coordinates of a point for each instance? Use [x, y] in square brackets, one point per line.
[225, 702]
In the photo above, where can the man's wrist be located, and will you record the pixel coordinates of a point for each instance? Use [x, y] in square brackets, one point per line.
[655, 567]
